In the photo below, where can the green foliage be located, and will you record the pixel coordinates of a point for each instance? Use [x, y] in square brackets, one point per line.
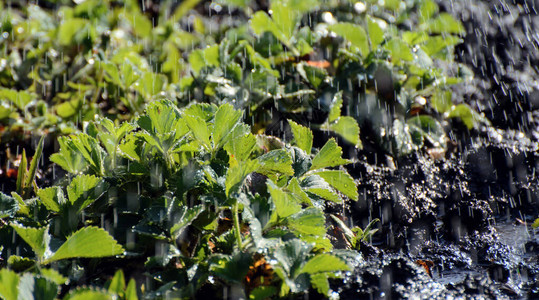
[193, 193]
[207, 159]
[356, 235]
[535, 223]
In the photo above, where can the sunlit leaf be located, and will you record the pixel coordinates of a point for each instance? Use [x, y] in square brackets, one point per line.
[303, 137]
[308, 221]
[240, 145]
[200, 130]
[324, 263]
[347, 128]
[37, 238]
[89, 294]
[329, 156]
[376, 34]
[465, 114]
[399, 50]
[87, 242]
[285, 204]
[275, 161]
[341, 181]
[318, 186]
[445, 23]
[117, 284]
[199, 59]
[20, 98]
[84, 189]
[54, 276]
[237, 173]
[354, 34]
[9, 282]
[226, 118]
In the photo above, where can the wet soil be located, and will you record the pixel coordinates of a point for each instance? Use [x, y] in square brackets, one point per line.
[460, 226]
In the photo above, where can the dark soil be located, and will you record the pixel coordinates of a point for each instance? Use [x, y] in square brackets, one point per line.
[460, 226]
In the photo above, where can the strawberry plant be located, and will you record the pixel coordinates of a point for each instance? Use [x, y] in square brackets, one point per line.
[211, 199]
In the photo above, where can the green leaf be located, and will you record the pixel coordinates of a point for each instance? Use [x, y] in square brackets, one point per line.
[285, 204]
[240, 146]
[261, 23]
[32, 287]
[90, 150]
[88, 294]
[403, 142]
[355, 34]
[441, 101]
[20, 98]
[376, 34]
[152, 84]
[341, 181]
[275, 161]
[348, 233]
[5, 110]
[336, 106]
[329, 156]
[292, 255]
[68, 29]
[427, 9]
[9, 283]
[285, 18]
[200, 130]
[37, 238]
[202, 110]
[262, 292]
[296, 190]
[183, 217]
[131, 291]
[465, 113]
[110, 135]
[68, 109]
[117, 284]
[324, 263]
[199, 59]
[347, 128]
[68, 158]
[16, 262]
[21, 174]
[232, 268]
[226, 118]
[445, 23]
[23, 207]
[183, 9]
[237, 173]
[84, 189]
[318, 186]
[320, 282]
[8, 206]
[426, 127]
[435, 44]
[142, 26]
[535, 223]
[87, 242]
[308, 221]
[303, 136]
[54, 276]
[399, 50]
[30, 176]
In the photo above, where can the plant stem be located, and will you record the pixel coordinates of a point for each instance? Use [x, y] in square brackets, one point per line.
[237, 228]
